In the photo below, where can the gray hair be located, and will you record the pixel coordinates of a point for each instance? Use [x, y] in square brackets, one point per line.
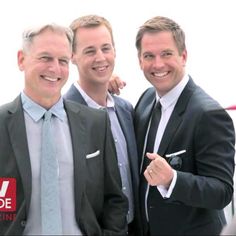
[29, 34]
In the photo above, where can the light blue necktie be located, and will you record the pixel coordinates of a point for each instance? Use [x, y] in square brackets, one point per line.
[50, 198]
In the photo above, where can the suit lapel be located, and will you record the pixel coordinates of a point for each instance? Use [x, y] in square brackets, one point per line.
[171, 127]
[17, 133]
[176, 116]
[78, 132]
[126, 122]
[141, 126]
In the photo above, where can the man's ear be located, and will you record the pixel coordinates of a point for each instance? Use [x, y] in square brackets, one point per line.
[184, 57]
[140, 62]
[20, 59]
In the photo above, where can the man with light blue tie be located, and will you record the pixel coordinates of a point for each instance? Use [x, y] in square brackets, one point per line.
[61, 154]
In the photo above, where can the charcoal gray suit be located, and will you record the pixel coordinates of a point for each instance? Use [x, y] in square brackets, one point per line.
[125, 113]
[100, 205]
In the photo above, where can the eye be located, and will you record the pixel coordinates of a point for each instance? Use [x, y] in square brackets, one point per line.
[45, 58]
[166, 53]
[64, 61]
[106, 49]
[148, 56]
[90, 52]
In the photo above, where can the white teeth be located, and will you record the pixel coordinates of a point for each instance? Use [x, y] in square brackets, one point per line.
[160, 74]
[101, 68]
[50, 79]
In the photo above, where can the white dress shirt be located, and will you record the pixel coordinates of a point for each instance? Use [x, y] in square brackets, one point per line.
[121, 147]
[168, 102]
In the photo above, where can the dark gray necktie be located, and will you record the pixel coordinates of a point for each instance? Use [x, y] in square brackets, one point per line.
[50, 198]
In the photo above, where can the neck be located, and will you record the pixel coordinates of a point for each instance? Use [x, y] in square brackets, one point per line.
[43, 101]
[98, 92]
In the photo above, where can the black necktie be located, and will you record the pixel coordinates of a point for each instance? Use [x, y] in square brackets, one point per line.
[155, 120]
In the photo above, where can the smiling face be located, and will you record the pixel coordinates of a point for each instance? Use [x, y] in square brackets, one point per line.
[94, 55]
[161, 62]
[46, 67]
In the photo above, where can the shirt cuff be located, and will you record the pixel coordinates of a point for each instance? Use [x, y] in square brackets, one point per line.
[167, 193]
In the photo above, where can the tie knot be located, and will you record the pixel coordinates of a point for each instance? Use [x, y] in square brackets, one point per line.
[158, 106]
[47, 115]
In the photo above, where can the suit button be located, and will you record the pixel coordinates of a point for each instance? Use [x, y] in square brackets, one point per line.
[23, 223]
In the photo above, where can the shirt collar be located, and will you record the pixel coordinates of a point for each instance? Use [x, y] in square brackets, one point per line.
[91, 102]
[172, 96]
[36, 112]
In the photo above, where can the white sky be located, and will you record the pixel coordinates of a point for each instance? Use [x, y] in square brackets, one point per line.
[209, 26]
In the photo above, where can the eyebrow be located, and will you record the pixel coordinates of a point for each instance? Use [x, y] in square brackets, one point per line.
[49, 55]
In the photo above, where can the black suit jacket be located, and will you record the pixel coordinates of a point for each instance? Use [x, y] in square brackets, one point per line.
[125, 113]
[101, 207]
[205, 180]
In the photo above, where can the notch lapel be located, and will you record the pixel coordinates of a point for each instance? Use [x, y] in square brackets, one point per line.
[176, 116]
[142, 117]
[78, 133]
[126, 122]
[17, 133]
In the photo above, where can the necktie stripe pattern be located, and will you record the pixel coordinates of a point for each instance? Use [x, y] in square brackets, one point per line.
[50, 201]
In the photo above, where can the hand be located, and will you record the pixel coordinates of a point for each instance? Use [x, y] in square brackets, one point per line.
[115, 84]
[158, 172]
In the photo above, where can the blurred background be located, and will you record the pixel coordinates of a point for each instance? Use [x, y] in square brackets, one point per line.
[209, 27]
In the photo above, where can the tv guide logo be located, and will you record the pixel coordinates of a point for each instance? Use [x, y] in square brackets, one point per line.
[7, 194]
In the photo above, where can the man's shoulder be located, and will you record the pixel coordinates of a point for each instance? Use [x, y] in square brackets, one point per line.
[73, 94]
[204, 101]
[90, 117]
[122, 102]
[10, 106]
[76, 107]
[147, 97]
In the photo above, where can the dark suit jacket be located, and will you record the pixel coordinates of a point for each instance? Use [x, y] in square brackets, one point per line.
[205, 180]
[125, 113]
[100, 204]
